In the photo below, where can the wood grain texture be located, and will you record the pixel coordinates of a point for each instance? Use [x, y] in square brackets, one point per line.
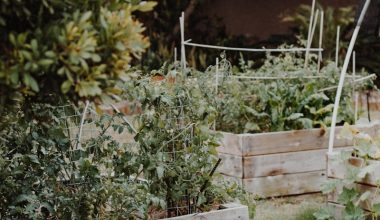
[290, 184]
[284, 163]
[231, 212]
[298, 140]
[230, 144]
[337, 169]
[231, 165]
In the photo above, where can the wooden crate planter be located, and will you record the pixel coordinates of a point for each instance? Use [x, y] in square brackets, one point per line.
[279, 163]
[337, 170]
[230, 211]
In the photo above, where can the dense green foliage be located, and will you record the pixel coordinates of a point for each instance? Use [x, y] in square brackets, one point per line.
[279, 104]
[46, 173]
[177, 148]
[81, 49]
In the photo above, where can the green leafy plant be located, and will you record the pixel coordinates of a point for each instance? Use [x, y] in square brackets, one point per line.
[176, 147]
[85, 49]
[349, 193]
[294, 98]
[47, 173]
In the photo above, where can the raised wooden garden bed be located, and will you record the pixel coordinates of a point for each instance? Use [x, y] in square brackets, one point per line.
[230, 211]
[338, 170]
[280, 163]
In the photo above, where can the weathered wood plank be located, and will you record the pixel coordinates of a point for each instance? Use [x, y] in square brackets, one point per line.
[230, 144]
[231, 165]
[337, 169]
[231, 212]
[292, 141]
[290, 184]
[284, 163]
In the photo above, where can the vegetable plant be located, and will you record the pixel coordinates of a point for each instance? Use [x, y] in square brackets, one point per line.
[296, 98]
[349, 193]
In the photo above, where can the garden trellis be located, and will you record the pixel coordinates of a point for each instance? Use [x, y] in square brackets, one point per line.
[255, 114]
[316, 16]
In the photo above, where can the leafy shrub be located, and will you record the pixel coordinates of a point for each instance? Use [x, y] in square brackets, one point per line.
[176, 147]
[46, 173]
[83, 48]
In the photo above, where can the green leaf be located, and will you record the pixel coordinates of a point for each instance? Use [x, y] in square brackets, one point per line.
[30, 82]
[367, 170]
[352, 212]
[251, 127]
[65, 87]
[294, 116]
[85, 17]
[325, 213]
[12, 39]
[88, 88]
[45, 62]
[330, 186]
[14, 77]
[348, 196]
[376, 209]
[144, 6]
[160, 171]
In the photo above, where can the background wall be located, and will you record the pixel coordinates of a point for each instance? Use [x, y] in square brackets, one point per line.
[260, 18]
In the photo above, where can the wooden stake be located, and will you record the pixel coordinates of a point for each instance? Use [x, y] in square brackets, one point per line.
[309, 32]
[183, 52]
[337, 47]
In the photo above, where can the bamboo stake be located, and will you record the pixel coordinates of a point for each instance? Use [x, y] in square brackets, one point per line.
[343, 74]
[355, 81]
[320, 41]
[81, 124]
[337, 47]
[311, 38]
[125, 119]
[309, 32]
[183, 52]
[175, 55]
[216, 84]
[252, 49]
[216, 75]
